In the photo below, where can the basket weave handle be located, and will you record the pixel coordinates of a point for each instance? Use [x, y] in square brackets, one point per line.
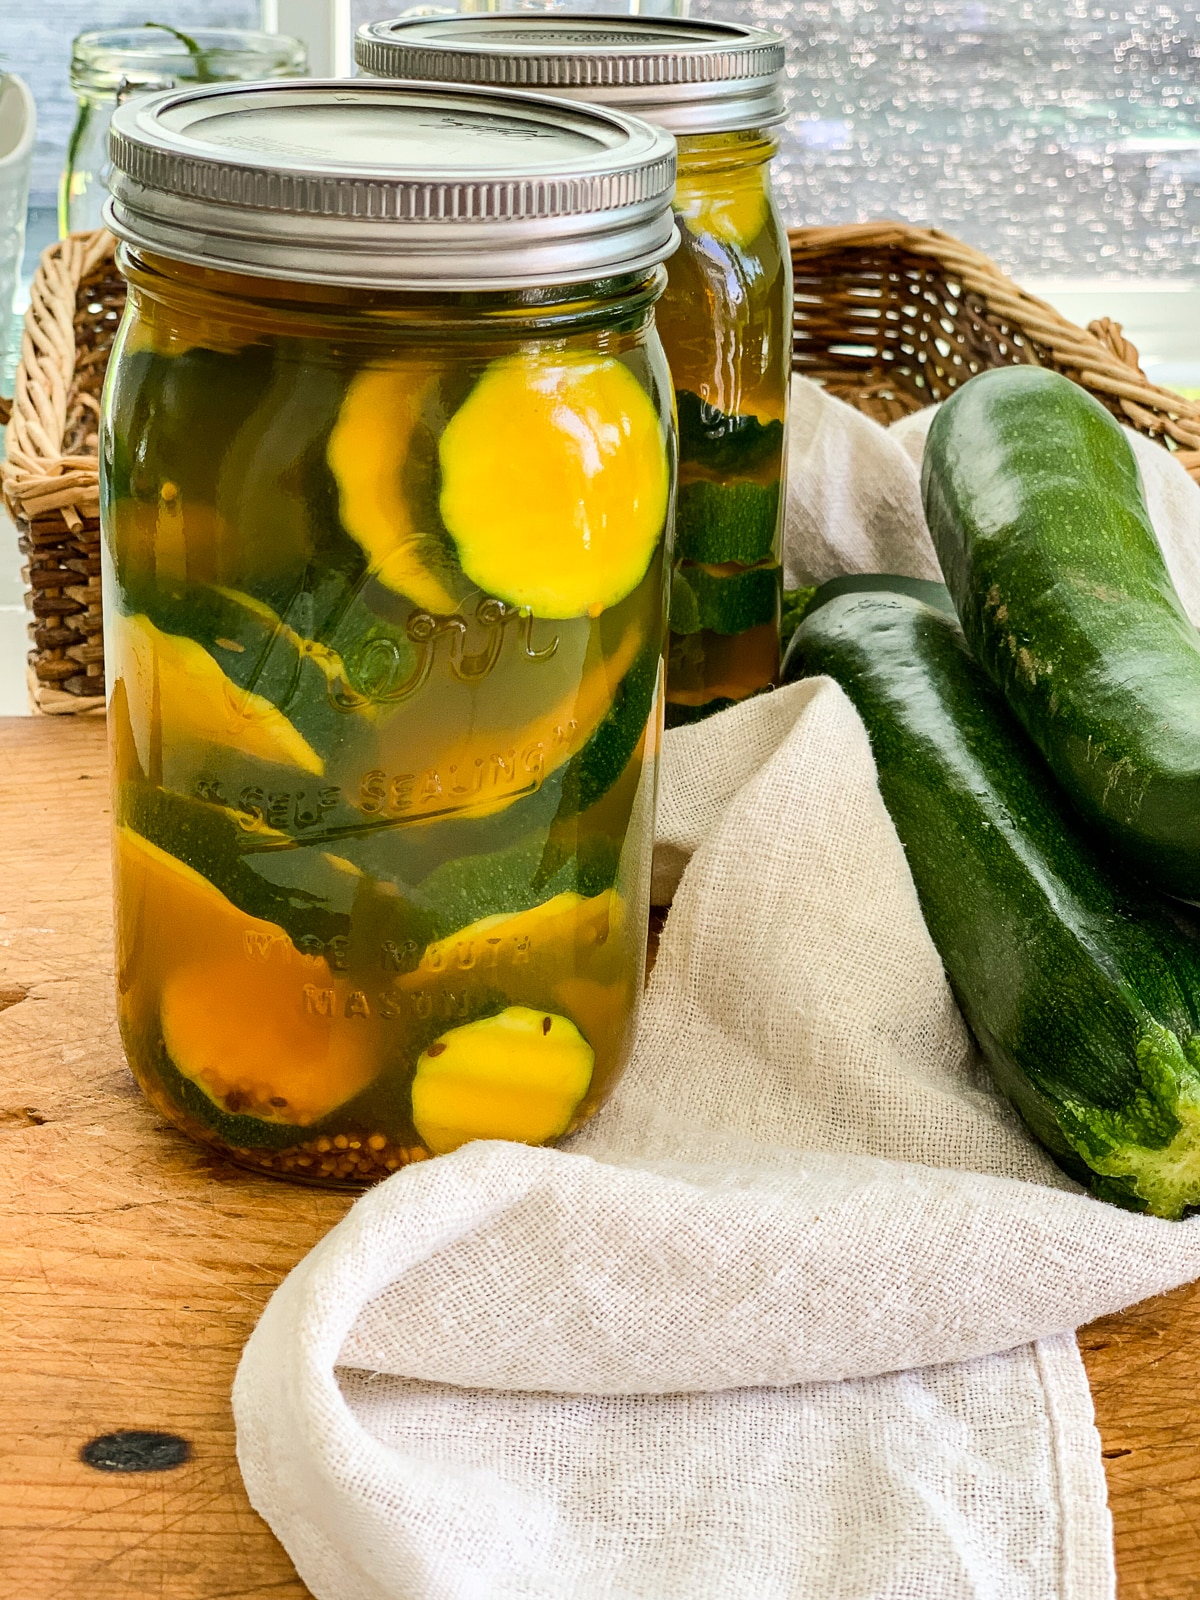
[37, 474]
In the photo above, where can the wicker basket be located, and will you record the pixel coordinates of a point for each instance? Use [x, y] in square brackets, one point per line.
[50, 479]
[887, 317]
[892, 318]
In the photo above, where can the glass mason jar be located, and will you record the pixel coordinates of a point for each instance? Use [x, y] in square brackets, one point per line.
[386, 505]
[726, 317]
[110, 65]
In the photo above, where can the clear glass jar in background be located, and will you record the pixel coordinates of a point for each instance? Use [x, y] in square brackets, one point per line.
[725, 319]
[363, 12]
[386, 502]
[108, 67]
[725, 324]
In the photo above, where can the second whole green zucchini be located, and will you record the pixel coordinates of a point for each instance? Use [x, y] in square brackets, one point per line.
[1082, 989]
[1034, 499]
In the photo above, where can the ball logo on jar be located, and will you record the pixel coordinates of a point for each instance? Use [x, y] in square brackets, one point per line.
[381, 671]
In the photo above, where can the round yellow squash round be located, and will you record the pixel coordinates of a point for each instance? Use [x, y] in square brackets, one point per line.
[519, 1075]
[555, 482]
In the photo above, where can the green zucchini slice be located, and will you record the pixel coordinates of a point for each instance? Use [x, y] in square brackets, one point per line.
[725, 601]
[719, 522]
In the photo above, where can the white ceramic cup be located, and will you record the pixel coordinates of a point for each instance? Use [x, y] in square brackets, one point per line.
[18, 120]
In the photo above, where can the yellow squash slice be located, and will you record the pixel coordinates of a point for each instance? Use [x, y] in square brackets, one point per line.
[174, 539]
[559, 934]
[177, 694]
[263, 1030]
[731, 207]
[519, 1075]
[555, 482]
[367, 453]
[481, 772]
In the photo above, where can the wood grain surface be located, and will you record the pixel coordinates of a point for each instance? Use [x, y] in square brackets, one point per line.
[133, 1266]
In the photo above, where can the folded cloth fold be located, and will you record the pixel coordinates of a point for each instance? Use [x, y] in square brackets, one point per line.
[789, 1320]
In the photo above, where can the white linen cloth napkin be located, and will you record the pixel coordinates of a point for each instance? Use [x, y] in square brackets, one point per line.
[790, 1320]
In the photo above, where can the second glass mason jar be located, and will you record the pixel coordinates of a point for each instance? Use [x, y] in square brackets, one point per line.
[110, 65]
[726, 316]
[387, 471]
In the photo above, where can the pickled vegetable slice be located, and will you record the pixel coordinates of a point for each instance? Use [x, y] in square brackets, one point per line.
[234, 851]
[259, 1045]
[532, 958]
[259, 651]
[215, 463]
[607, 753]
[486, 771]
[727, 600]
[731, 206]
[708, 666]
[725, 442]
[326, 658]
[174, 416]
[519, 1075]
[555, 482]
[159, 541]
[717, 522]
[380, 448]
[176, 692]
[516, 878]
[262, 1030]
[559, 932]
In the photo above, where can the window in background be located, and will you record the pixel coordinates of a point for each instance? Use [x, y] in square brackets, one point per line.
[1060, 136]
[1063, 138]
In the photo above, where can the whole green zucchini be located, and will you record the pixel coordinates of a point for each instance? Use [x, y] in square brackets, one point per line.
[1082, 989]
[797, 602]
[1034, 500]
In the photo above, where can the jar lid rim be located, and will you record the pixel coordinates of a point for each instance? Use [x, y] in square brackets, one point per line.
[391, 184]
[688, 75]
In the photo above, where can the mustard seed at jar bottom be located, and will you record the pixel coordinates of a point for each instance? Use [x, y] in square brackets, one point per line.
[725, 318]
[384, 613]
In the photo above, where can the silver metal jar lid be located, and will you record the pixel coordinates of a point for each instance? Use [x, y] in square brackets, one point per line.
[391, 185]
[691, 77]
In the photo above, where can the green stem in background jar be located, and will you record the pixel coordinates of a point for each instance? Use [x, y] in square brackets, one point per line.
[197, 51]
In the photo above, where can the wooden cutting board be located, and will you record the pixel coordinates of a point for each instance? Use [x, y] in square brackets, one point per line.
[133, 1266]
